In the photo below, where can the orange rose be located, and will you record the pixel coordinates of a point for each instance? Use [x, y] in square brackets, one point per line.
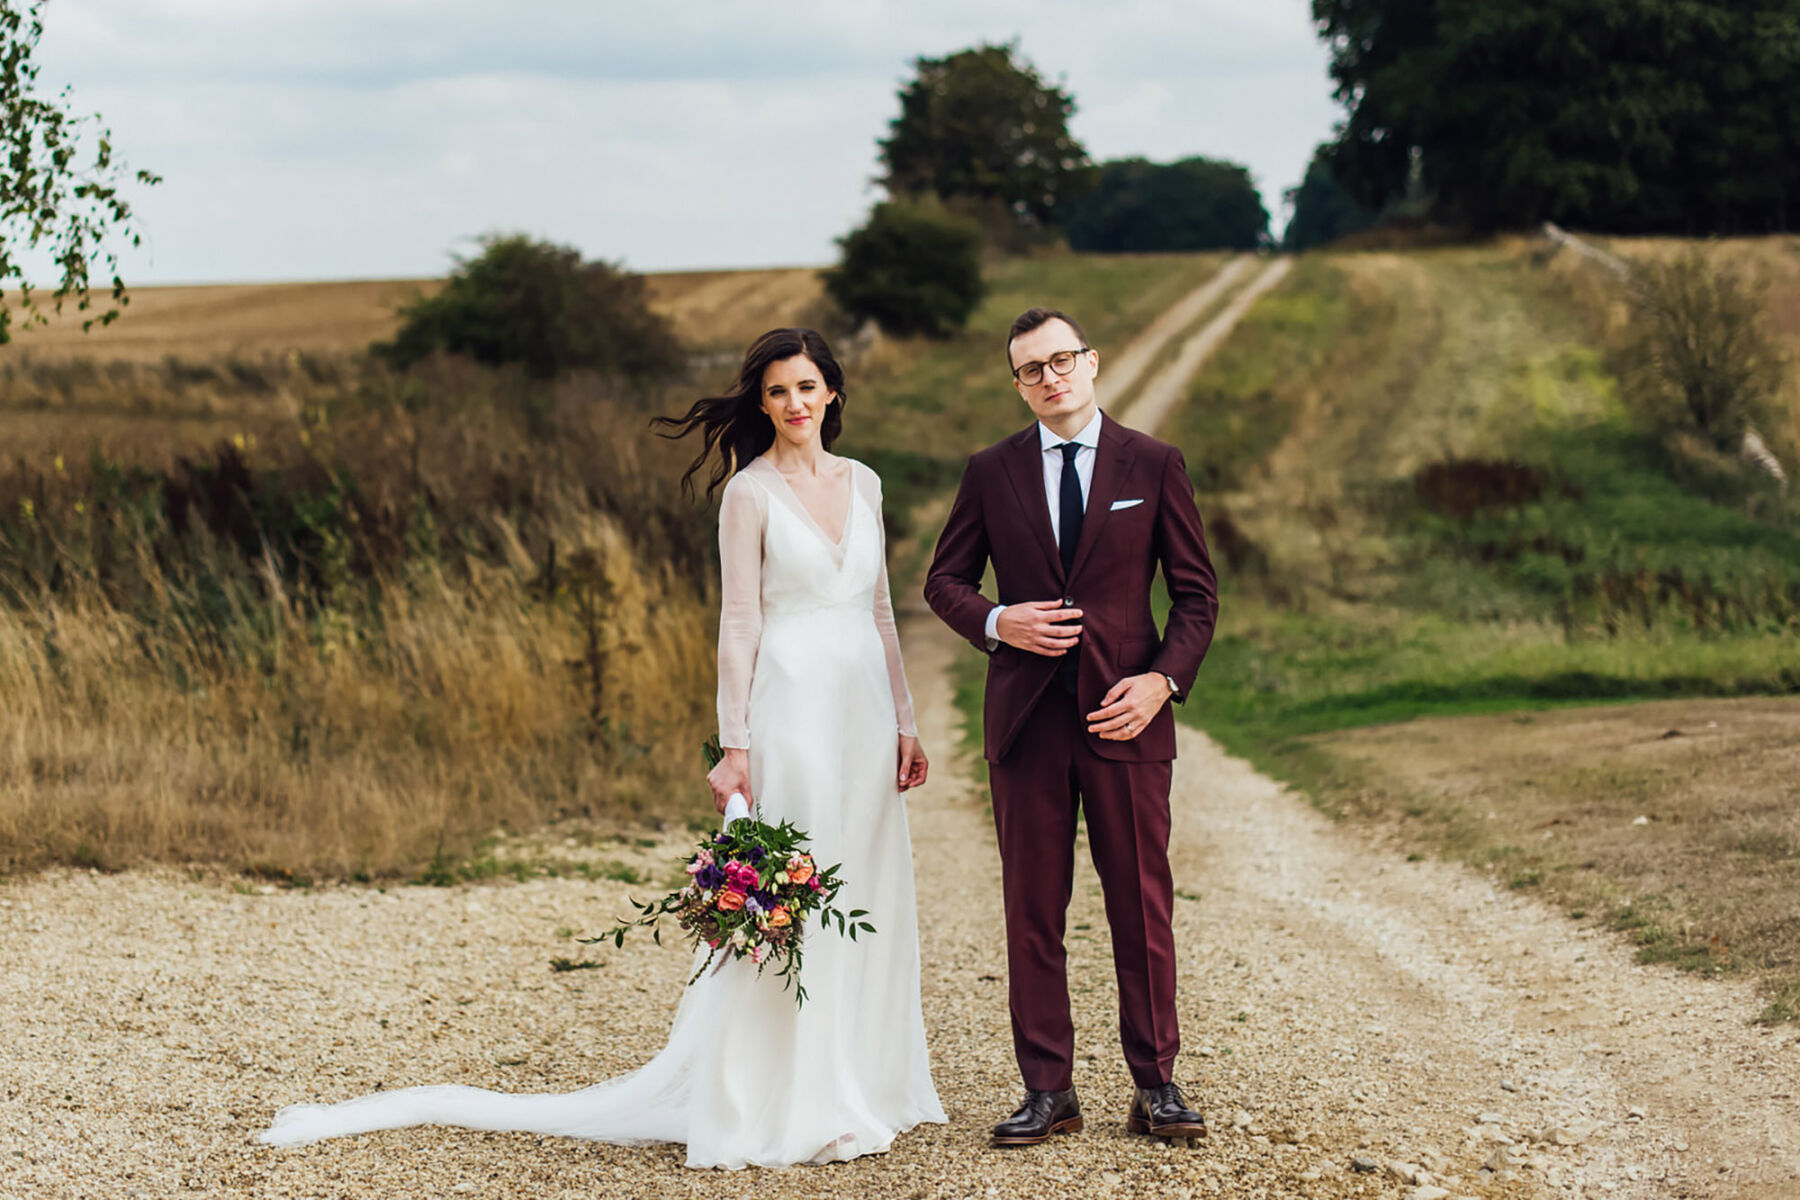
[800, 869]
[730, 901]
[779, 916]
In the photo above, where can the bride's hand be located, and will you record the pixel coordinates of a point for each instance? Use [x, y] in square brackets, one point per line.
[913, 764]
[731, 775]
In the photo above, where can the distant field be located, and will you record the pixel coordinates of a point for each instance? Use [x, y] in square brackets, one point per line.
[211, 320]
[708, 308]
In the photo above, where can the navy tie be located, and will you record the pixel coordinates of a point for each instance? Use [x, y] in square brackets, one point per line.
[1068, 531]
[1069, 506]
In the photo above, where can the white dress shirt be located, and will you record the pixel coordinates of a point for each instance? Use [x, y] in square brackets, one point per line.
[1087, 448]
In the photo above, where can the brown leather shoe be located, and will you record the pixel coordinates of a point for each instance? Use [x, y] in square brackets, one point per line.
[1040, 1116]
[1161, 1112]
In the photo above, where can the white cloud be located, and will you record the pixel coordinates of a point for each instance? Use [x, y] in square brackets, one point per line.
[341, 138]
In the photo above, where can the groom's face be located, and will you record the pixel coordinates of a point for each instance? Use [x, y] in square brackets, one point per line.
[1056, 399]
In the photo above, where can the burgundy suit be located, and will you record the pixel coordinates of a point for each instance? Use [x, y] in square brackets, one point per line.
[1044, 765]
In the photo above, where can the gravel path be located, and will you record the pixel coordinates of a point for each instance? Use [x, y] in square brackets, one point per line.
[1338, 1002]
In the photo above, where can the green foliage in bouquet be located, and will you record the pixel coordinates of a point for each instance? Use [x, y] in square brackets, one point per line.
[751, 891]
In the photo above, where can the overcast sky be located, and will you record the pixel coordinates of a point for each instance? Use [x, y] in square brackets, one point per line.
[338, 139]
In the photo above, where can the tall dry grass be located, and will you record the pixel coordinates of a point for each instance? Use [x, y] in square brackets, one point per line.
[420, 608]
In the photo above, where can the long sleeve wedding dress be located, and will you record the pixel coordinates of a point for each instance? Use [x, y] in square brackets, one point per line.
[811, 683]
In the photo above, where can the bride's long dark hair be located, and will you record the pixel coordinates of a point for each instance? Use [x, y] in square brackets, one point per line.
[734, 429]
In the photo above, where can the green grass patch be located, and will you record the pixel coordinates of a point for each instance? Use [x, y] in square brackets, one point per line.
[1241, 405]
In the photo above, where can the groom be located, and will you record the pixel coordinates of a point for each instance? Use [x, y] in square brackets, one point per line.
[1076, 513]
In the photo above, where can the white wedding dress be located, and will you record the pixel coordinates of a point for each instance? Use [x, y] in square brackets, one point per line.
[810, 680]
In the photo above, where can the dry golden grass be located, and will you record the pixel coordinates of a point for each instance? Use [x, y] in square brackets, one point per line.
[710, 309]
[403, 681]
[218, 320]
[1674, 821]
[406, 677]
[353, 747]
[727, 310]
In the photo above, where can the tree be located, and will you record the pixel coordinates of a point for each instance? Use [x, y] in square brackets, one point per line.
[59, 183]
[978, 129]
[1629, 115]
[1193, 204]
[912, 268]
[538, 304]
[1323, 210]
[1699, 357]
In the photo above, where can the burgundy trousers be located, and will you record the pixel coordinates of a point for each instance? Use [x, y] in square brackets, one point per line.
[1048, 776]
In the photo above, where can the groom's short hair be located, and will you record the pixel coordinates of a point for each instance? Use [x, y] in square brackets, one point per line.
[1031, 318]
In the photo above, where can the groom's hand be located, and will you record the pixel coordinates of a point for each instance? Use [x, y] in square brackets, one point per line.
[1128, 706]
[1041, 627]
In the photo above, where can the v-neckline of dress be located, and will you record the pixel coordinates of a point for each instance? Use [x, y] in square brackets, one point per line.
[836, 546]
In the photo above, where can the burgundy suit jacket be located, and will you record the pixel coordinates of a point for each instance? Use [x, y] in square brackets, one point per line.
[1002, 515]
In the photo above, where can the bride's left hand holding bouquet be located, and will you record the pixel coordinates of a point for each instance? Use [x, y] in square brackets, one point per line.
[752, 890]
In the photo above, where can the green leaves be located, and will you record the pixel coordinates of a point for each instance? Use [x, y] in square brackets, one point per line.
[737, 931]
[982, 127]
[913, 268]
[1194, 204]
[54, 197]
[539, 305]
[1628, 115]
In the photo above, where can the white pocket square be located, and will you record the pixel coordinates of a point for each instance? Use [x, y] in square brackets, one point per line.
[1118, 504]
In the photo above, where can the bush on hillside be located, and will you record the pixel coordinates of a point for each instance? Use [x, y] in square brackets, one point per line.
[1194, 204]
[912, 269]
[1699, 358]
[537, 304]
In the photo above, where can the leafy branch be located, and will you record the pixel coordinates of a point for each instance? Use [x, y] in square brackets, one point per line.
[56, 195]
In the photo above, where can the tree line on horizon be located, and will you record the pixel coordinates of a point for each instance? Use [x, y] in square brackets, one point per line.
[1677, 117]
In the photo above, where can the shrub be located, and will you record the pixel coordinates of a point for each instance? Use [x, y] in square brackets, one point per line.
[1699, 357]
[539, 305]
[913, 268]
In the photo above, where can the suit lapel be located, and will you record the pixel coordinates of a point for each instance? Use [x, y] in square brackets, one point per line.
[1112, 463]
[1024, 459]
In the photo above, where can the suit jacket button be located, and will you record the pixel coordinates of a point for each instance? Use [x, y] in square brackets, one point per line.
[1068, 602]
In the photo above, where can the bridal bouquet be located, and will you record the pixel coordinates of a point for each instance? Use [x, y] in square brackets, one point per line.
[751, 891]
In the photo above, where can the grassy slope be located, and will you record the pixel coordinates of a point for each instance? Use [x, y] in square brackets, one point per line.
[1349, 603]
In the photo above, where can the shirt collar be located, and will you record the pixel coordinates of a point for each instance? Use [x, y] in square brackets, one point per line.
[1089, 435]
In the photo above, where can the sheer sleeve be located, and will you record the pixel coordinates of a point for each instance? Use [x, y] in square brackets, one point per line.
[870, 483]
[741, 517]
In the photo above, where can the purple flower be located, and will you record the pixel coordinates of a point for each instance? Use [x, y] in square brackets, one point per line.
[766, 899]
[710, 877]
[720, 839]
[756, 854]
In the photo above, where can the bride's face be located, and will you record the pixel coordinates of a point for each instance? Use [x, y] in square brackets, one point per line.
[794, 395]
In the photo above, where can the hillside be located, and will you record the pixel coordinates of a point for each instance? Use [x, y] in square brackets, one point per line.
[1431, 502]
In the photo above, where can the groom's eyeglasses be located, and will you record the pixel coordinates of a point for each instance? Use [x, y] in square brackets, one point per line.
[1062, 362]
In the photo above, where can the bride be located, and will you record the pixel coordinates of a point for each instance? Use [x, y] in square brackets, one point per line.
[817, 723]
